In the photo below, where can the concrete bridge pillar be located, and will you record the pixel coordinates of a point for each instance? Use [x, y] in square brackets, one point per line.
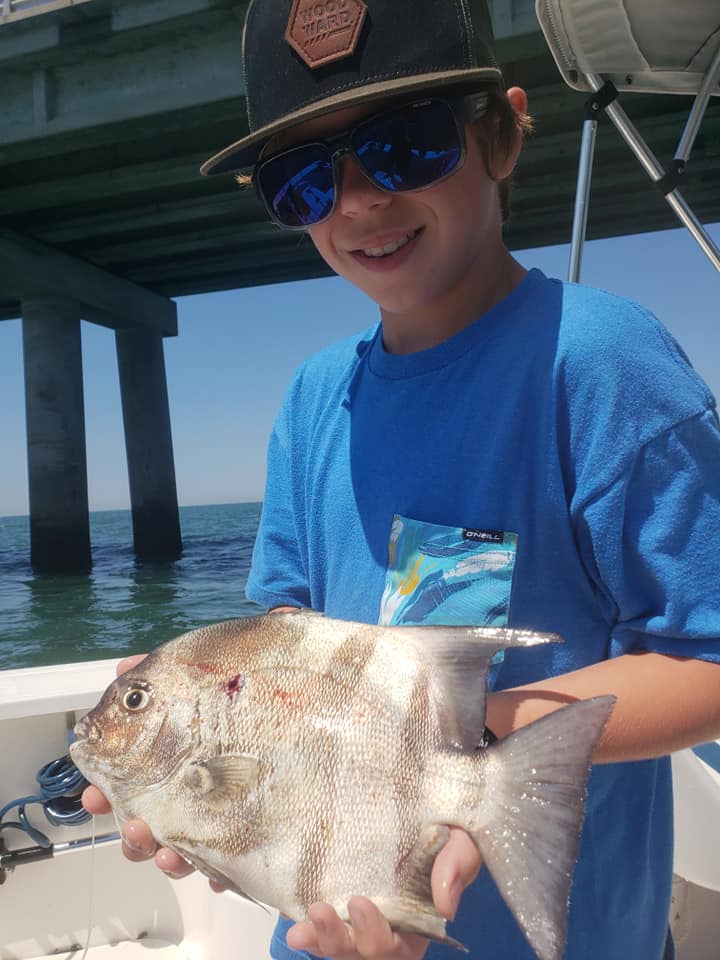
[55, 290]
[57, 466]
[148, 441]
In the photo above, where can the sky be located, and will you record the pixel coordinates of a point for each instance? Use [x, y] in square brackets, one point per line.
[236, 351]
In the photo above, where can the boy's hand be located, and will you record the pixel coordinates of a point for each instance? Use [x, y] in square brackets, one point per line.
[369, 936]
[138, 843]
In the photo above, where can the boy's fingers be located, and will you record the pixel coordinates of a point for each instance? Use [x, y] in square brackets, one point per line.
[455, 867]
[138, 842]
[174, 865]
[369, 937]
[323, 934]
[334, 937]
[128, 663]
[370, 931]
[94, 801]
[374, 938]
[301, 936]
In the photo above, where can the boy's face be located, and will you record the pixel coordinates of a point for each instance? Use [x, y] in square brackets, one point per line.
[431, 240]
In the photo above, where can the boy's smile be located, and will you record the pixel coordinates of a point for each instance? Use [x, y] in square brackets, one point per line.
[433, 259]
[387, 251]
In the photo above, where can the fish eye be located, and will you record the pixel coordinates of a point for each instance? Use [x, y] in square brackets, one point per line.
[136, 699]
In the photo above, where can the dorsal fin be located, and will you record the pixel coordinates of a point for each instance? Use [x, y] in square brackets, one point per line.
[459, 659]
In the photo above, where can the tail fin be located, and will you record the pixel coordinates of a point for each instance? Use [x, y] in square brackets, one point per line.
[529, 823]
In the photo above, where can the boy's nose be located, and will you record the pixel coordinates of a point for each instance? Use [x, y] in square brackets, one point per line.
[357, 194]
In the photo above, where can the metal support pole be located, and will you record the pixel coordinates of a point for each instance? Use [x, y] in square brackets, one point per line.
[698, 111]
[582, 197]
[594, 106]
[656, 172]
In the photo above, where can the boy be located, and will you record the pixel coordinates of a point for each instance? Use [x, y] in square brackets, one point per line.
[560, 425]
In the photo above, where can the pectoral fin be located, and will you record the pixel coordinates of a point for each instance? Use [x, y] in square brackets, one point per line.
[222, 777]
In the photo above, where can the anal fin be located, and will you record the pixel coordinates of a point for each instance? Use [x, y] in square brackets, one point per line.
[415, 916]
[412, 910]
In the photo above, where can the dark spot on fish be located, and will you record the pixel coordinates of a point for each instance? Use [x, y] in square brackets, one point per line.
[291, 698]
[205, 667]
[233, 686]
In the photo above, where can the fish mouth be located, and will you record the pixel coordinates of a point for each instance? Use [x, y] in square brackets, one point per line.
[86, 731]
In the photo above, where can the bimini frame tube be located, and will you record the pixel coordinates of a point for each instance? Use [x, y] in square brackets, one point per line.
[582, 198]
[648, 160]
[698, 110]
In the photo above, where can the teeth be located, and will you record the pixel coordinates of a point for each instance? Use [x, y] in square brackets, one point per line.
[389, 247]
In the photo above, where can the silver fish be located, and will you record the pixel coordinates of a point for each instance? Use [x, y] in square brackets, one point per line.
[295, 759]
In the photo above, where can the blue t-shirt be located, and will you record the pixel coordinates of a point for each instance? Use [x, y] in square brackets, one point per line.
[567, 424]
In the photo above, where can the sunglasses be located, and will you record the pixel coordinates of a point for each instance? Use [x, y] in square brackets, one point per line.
[409, 148]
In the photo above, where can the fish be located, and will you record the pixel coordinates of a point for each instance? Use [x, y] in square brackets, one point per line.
[295, 758]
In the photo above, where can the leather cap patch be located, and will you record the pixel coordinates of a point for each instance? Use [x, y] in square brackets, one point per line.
[322, 31]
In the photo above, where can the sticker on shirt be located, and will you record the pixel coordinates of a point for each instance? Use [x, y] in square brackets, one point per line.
[447, 575]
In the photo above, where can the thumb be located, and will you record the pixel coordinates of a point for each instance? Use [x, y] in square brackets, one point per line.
[455, 867]
[129, 662]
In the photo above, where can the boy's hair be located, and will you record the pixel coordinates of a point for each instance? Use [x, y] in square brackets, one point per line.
[496, 134]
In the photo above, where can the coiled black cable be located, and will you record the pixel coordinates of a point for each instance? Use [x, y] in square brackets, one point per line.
[61, 784]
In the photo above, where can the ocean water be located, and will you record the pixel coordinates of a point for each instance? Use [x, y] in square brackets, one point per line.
[123, 606]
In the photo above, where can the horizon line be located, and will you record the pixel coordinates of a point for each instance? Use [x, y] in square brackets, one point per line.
[127, 509]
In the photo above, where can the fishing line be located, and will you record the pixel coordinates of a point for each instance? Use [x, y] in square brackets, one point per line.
[91, 895]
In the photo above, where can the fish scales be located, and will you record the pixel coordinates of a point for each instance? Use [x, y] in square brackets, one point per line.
[344, 684]
[346, 764]
[270, 751]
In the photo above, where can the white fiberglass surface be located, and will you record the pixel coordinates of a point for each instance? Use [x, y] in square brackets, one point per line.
[47, 907]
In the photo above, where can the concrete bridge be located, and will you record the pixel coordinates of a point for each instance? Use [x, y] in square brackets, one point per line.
[108, 109]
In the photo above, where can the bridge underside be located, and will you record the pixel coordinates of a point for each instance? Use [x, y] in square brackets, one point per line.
[105, 169]
[108, 109]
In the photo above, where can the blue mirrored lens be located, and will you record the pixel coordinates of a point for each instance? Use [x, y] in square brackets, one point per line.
[410, 148]
[407, 149]
[298, 185]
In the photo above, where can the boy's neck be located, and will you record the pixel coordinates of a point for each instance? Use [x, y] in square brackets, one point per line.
[442, 318]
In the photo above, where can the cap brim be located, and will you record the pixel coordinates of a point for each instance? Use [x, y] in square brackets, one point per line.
[244, 153]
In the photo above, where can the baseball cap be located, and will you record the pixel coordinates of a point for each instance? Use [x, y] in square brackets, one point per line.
[305, 58]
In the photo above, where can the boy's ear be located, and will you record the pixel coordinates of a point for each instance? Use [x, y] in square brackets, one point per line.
[504, 166]
[518, 99]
